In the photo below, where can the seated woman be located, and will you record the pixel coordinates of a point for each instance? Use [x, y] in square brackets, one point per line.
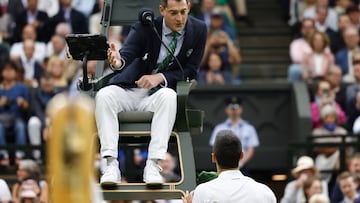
[317, 63]
[213, 72]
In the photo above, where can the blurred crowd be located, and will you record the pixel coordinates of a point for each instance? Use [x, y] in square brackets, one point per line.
[34, 67]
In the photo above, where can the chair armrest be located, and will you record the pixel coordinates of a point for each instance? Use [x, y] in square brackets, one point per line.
[183, 89]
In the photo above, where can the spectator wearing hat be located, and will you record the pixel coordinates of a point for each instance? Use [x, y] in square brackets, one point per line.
[327, 157]
[241, 128]
[231, 185]
[304, 170]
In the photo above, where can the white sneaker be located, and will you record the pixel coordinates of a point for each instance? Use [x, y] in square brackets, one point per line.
[111, 175]
[152, 173]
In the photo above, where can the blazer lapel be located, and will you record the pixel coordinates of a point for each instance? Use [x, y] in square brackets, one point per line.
[188, 40]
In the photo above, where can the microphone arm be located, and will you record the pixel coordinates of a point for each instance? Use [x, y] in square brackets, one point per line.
[168, 49]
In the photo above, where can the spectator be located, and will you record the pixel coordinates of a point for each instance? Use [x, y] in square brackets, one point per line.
[31, 16]
[354, 14]
[299, 48]
[58, 46]
[17, 50]
[58, 40]
[168, 169]
[56, 68]
[354, 169]
[68, 14]
[323, 96]
[296, 12]
[28, 191]
[5, 195]
[317, 63]
[32, 68]
[218, 22]
[334, 76]
[241, 128]
[39, 98]
[227, 153]
[214, 72]
[336, 38]
[331, 19]
[327, 157]
[343, 57]
[218, 41]
[304, 170]
[13, 102]
[320, 19]
[207, 7]
[29, 173]
[348, 187]
[311, 187]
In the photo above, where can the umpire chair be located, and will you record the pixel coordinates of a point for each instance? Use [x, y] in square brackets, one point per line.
[137, 124]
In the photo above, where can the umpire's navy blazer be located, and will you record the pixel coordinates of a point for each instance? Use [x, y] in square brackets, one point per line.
[141, 50]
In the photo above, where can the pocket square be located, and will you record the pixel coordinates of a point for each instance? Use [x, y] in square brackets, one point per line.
[189, 52]
[145, 57]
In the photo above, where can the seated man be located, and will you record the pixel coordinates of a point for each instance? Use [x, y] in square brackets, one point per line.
[146, 81]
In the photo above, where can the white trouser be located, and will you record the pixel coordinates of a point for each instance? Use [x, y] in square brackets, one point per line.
[34, 131]
[113, 99]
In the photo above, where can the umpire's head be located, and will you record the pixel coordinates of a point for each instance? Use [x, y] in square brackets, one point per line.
[227, 150]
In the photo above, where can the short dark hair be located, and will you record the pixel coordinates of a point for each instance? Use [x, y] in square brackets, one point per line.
[164, 3]
[227, 149]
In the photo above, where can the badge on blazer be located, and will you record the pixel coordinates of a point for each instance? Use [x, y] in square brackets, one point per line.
[189, 52]
[145, 57]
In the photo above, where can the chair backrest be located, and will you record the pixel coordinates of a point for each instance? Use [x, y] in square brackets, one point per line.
[126, 11]
[121, 12]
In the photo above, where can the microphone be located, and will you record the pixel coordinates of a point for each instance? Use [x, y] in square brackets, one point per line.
[146, 17]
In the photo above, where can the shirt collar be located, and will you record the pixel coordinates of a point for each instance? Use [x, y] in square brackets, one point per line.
[167, 31]
[231, 174]
[229, 123]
